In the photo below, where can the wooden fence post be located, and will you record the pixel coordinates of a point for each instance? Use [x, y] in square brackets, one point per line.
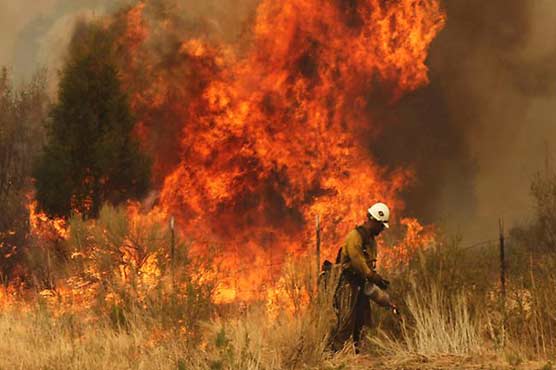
[318, 249]
[172, 250]
[503, 281]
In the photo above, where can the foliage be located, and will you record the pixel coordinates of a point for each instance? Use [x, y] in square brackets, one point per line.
[533, 314]
[128, 257]
[449, 301]
[543, 231]
[147, 332]
[22, 114]
[454, 293]
[91, 156]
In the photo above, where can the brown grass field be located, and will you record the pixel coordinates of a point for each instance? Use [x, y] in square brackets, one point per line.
[451, 318]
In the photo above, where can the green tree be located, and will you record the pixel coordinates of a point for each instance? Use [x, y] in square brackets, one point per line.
[91, 156]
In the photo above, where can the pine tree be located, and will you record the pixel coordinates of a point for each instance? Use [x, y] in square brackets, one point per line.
[91, 156]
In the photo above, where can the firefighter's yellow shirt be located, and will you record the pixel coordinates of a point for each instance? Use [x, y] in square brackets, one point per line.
[360, 256]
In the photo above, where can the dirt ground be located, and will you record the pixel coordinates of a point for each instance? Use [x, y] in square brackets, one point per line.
[493, 362]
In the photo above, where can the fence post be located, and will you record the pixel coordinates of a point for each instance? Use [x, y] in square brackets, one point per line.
[502, 281]
[318, 248]
[172, 250]
[271, 266]
[49, 269]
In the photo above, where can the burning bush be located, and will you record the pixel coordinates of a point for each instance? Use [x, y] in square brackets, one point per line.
[22, 114]
[127, 267]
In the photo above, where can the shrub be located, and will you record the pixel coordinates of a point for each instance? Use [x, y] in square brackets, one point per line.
[126, 256]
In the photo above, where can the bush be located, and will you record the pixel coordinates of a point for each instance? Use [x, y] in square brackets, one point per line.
[451, 300]
[23, 111]
[543, 190]
[126, 257]
[532, 314]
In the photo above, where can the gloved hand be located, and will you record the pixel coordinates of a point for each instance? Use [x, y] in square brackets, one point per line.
[383, 283]
[379, 281]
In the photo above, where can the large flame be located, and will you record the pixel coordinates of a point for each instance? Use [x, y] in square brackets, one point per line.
[251, 143]
[283, 132]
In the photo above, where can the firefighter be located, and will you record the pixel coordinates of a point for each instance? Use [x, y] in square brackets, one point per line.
[358, 281]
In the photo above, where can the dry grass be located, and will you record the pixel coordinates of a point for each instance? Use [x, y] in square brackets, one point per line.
[436, 325]
[442, 323]
[255, 341]
[440, 326]
[137, 336]
[38, 340]
[34, 340]
[455, 311]
[138, 320]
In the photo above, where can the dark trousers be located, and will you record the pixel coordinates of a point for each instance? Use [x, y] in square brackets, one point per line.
[353, 313]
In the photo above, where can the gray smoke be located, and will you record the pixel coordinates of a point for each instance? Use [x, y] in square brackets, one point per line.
[484, 126]
[36, 34]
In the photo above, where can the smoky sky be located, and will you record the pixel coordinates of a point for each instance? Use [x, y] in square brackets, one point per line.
[474, 136]
[36, 33]
[484, 125]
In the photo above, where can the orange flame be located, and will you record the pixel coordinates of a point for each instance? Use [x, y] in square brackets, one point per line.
[40, 223]
[280, 134]
[417, 237]
[262, 139]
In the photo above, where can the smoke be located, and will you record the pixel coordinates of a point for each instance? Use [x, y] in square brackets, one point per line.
[13, 19]
[481, 129]
[36, 33]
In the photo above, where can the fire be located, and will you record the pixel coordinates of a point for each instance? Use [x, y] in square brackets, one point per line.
[41, 224]
[417, 237]
[251, 142]
[280, 133]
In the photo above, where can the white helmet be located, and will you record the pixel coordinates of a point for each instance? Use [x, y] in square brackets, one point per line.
[380, 212]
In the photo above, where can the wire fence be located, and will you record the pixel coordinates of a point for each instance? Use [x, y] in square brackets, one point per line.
[251, 266]
[266, 272]
[479, 244]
